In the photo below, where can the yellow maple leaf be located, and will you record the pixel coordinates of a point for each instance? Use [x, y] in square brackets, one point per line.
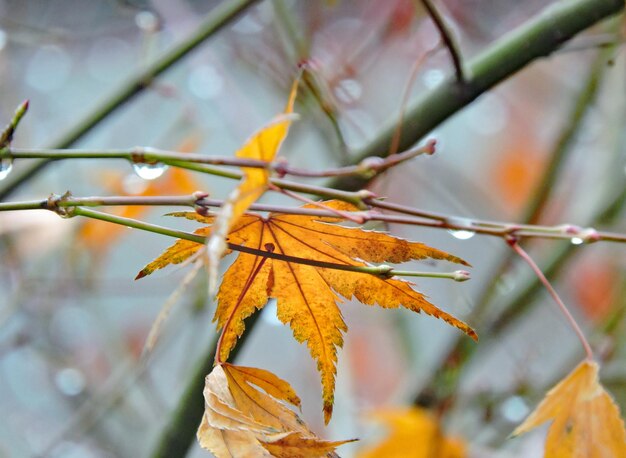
[263, 146]
[586, 422]
[413, 433]
[241, 421]
[307, 295]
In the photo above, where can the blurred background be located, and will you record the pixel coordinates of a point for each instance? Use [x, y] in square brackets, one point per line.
[73, 322]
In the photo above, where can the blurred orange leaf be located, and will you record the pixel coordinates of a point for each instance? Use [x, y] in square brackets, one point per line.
[98, 236]
[307, 296]
[413, 433]
[586, 422]
[242, 421]
[263, 146]
[516, 171]
[595, 282]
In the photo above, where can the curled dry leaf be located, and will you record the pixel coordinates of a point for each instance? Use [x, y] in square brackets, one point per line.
[586, 422]
[413, 433]
[242, 421]
[263, 145]
[307, 296]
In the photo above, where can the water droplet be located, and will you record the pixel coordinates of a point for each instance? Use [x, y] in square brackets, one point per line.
[577, 241]
[461, 234]
[514, 409]
[69, 381]
[6, 165]
[149, 171]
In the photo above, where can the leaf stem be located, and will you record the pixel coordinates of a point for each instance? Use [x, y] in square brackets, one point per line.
[548, 286]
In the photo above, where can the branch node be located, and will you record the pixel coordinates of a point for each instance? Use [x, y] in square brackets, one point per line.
[385, 271]
[56, 204]
[511, 239]
[589, 235]
[198, 205]
[430, 147]
[370, 166]
[570, 229]
[280, 167]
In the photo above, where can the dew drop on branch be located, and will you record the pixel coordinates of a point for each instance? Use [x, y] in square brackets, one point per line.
[6, 165]
[461, 234]
[149, 171]
[576, 241]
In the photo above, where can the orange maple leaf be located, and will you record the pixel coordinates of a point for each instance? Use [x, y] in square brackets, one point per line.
[307, 295]
[413, 433]
[586, 422]
[264, 146]
[240, 420]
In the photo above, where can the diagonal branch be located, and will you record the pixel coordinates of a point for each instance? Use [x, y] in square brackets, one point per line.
[219, 17]
[537, 38]
[448, 38]
[544, 281]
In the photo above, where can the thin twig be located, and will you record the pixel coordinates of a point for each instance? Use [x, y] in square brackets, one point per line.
[7, 134]
[395, 140]
[542, 278]
[534, 39]
[153, 155]
[411, 216]
[448, 38]
[383, 271]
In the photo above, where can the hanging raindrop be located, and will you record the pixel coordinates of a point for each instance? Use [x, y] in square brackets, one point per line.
[149, 171]
[576, 241]
[461, 234]
[6, 165]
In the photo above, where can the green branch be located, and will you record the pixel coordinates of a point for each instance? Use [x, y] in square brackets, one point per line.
[219, 17]
[411, 216]
[537, 38]
[384, 271]
[446, 377]
[147, 155]
[7, 134]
